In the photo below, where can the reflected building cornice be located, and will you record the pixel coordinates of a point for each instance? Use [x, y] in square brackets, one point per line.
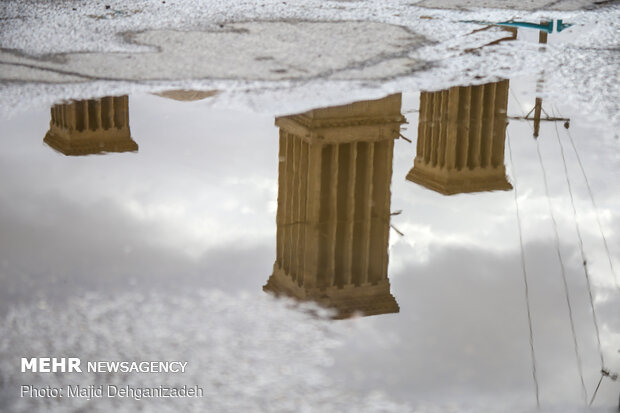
[333, 212]
[185, 95]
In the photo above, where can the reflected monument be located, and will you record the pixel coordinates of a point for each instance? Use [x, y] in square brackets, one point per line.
[461, 136]
[333, 212]
[184, 95]
[93, 126]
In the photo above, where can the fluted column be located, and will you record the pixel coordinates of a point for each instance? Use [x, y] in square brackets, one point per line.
[91, 126]
[334, 175]
[312, 218]
[466, 128]
[462, 134]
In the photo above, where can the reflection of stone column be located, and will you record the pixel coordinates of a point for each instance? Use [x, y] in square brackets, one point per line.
[461, 134]
[183, 95]
[91, 126]
[334, 206]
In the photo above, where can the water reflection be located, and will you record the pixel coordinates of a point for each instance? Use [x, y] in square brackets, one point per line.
[183, 95]
[461, 135]
[93, 126]
[334, 206]
[462, 311]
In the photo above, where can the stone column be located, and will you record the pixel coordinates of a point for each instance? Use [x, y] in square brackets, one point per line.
[91, 126]
[334, 206]
[461, 134]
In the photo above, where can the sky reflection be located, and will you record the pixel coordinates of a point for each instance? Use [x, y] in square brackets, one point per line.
[196, 206]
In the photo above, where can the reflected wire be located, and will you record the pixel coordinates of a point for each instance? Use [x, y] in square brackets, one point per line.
[524, 272]
[563, 273]
[514, 96]
[581, 248]
[598, 218]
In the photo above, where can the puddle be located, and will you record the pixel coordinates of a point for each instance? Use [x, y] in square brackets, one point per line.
[459, 225]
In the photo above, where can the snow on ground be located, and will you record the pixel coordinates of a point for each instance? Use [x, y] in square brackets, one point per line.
[40, 27]
[284, 57]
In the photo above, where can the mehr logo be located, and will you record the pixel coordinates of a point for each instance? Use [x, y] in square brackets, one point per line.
[51, 365]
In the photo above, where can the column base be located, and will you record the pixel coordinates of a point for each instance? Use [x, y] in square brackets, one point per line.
[347, 301]
[451, 182]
